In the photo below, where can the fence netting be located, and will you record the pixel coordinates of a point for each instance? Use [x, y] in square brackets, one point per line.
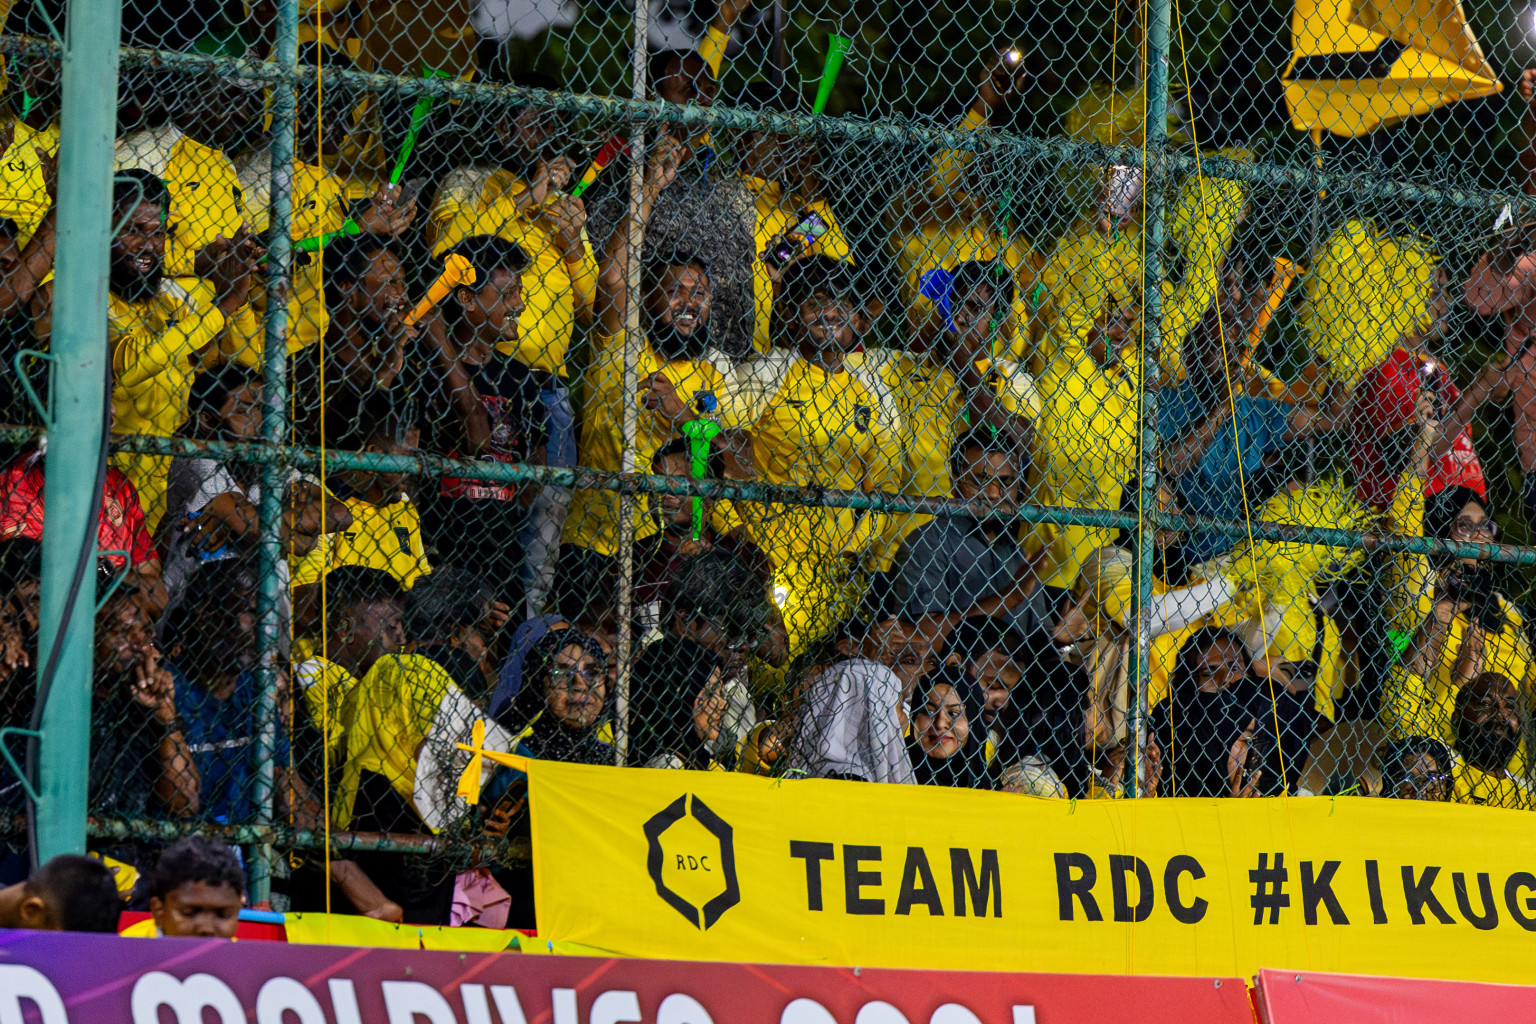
[915, 394]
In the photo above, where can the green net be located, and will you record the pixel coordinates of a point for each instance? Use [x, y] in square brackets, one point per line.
[1098, 401]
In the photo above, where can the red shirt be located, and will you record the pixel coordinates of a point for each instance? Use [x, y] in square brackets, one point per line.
[122, 517]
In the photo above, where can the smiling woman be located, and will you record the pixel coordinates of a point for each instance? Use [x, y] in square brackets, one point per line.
[945, 749]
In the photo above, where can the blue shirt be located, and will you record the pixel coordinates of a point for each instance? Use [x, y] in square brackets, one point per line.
[221, 735]
[1212, 487]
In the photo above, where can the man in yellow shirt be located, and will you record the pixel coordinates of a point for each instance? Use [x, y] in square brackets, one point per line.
[322, 204]
[1491, 722]
[813, 424]
[954, 220]
[365, 621]
[161, 328]
[212, 116]
[679, 380]
[520, 195]
[385, 531]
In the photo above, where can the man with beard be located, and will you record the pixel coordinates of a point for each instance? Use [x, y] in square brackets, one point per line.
[680, 379]
[518, 195]
[1214, 434]
[706, 210]
[322, 205]
[1490, 723]
[813, 424]
[958, 565]
[211, 117]
[211, 640]
[946, 385]
[140, 758]
[160, 328]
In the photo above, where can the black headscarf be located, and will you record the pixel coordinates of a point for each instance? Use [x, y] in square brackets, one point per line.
[967, 767]
[550, 738]
[1196, 730]
[666, 681]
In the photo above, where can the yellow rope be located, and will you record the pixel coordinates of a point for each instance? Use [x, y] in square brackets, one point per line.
[1242, 482]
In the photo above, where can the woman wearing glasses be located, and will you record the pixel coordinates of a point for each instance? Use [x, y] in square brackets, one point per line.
[1447, 620]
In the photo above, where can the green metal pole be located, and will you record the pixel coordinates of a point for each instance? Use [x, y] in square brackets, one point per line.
[1156, 185]
[74, 438]
[271, 602]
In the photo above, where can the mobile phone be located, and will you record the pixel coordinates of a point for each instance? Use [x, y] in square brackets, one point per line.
[209, 556]
[1434, 381]
[796, 240]
[1124, 190]
[410, 190]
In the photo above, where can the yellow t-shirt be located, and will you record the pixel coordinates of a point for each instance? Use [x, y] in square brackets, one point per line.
[593, 522]
[1471, 785]
[482, 201]
[811, 428]
[23, 191]
[1085, 448]
[1087, 267]
[157, 349]
[319, 207]
[386, 537]
[325, 686]
[776, 214]
[386, 718]
[206, 197]
[155, 345]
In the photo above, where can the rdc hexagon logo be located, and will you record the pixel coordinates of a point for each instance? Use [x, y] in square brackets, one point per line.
[692, 860]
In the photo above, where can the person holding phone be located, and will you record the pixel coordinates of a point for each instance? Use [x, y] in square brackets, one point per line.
[791, 217]
[323, 204]
[962, 215]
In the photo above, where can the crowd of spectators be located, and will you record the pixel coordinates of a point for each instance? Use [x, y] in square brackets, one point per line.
[960, 648]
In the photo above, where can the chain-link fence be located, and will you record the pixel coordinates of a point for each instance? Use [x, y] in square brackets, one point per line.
[1080, 401]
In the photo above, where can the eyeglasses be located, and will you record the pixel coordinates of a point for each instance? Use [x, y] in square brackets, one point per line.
[562, 679]
[1471, 527]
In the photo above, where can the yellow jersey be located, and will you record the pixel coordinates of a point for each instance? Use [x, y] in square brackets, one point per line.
[811, 428]
[483, 201]
[928, 403]
[325, 686]
[1471, 785]
[23, 190]
[206, 197]
[1087, 268]
[1085, 447]
[593, 522]
[158, 345]
[775, 214]
[386, 537]
[319, 207]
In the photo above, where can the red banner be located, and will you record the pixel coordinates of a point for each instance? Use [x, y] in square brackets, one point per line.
[52, 978]
[1292, 997]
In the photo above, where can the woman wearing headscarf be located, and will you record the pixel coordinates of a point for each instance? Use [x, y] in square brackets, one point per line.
[1210, 734]
[569, 671]
[944, 748]
[1446, 617]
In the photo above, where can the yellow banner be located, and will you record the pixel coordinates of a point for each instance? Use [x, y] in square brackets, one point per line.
[721, 866]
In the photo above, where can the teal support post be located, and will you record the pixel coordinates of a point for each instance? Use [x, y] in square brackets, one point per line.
[1156, 187]
[271, 601]
[75, 422]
